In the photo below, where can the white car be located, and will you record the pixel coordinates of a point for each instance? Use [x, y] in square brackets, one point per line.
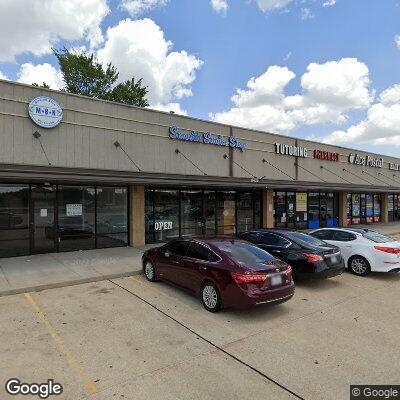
[363, 250]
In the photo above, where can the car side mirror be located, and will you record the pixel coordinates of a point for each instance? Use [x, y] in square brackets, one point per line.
[167, 253]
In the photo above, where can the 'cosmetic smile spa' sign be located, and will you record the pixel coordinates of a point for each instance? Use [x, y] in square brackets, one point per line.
[206, 138]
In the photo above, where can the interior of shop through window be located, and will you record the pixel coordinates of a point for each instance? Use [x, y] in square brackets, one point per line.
[301, 210]
[363, 208]
[50, 218]
[185, 213]
[394, 207]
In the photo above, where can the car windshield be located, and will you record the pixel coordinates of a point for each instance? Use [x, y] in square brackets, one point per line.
[377, 237]
[244, 253]
[303, 238]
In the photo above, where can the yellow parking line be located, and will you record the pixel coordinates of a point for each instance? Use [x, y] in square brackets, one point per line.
[71, 359]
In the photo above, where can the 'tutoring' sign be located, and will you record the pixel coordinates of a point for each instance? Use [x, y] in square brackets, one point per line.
[288, 150]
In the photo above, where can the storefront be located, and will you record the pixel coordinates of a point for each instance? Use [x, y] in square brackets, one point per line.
[394, 207]
[48, 218]
[363, 208]
[299, 210]
[182, 213]
[79, 174]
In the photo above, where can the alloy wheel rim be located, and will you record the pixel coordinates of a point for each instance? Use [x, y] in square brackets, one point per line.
[359, 266]
[210, 296]
[149, 269]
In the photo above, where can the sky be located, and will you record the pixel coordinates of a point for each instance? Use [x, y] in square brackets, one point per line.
[325, 70]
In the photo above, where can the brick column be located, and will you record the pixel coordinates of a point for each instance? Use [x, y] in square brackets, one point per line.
[268, 208]
[343, 209]
[136, 217]
[385, 208]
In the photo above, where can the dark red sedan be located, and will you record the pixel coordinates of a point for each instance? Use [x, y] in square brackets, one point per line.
[224, 272]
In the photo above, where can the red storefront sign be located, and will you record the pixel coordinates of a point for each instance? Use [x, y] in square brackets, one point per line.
[326, 155]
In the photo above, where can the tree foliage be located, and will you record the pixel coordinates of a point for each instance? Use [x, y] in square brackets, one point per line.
[83, 74]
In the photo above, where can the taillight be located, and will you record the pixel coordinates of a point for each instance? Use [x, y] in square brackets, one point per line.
[248, 278]
[313, 258]
[289, 272]
[390, 250]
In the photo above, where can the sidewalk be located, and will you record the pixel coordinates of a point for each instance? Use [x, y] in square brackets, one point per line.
[45, 271]
[391, 228]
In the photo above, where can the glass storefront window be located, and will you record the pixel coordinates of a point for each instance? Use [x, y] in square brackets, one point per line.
[14, 220]
[301, 210]
[191, 212]
[356, 208]
[112, 217]
[226, 213]
[369, 204]
[166, 215]
[313, 211]
[258, 211]
[76, 218]
[174, 213]
[280, 210]
[365, 208]
[210, 212]
[377, 208]
[244, 212]
[291, 203]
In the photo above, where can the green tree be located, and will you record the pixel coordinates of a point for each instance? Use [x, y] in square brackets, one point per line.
[84, 74]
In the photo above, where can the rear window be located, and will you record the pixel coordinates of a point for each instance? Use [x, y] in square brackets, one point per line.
[244, 253]
[302, 238]
[377, 237]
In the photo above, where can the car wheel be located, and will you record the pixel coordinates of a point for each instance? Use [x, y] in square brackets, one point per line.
[149, 270]
[359, 266]
[211, 297]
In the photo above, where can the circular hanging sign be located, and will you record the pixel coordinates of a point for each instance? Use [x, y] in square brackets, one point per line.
[45, 112]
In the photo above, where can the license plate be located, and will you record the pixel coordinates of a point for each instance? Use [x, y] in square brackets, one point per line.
[276, 280]
[334, 259]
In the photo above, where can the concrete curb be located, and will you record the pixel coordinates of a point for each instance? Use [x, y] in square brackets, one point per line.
[74, 282]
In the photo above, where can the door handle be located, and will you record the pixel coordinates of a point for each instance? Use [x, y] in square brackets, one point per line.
[175, 262]
[203, 268]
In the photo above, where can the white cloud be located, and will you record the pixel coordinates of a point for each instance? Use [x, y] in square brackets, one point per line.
[271, 5]
[306, 14]
[138, 48]
[329, 3]
[380, 127]
[330, 91]
[220, 6]
[40, 73]
[36, 26]
[175, 107]
[137, 7]
[2, 76]
[397, 40]
[391, 95]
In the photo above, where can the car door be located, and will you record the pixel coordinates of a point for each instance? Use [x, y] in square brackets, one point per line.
[198, 261]
[345, 241]
[172, 260]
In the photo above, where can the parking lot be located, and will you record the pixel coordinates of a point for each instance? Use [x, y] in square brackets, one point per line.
[127, 338]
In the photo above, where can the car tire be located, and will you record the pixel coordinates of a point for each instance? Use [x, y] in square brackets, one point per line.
[211, 297]
[149, 270]
[359, 266]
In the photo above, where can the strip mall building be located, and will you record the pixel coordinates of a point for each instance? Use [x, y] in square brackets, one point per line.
[78, 173]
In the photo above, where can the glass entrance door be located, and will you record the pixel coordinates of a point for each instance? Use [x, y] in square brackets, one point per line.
[42, 216]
